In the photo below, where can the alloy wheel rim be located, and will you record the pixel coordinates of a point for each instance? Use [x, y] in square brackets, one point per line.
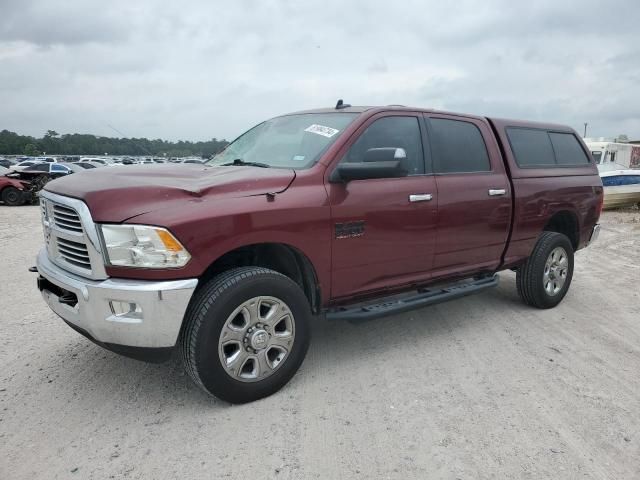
[555, 271]
[256, 339]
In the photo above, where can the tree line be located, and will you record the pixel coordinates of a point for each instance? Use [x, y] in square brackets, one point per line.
[52, 143]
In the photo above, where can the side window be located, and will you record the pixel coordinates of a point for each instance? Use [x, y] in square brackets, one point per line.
[540, 148]
[41, 167]
[567, 149]
[531, 147]
[396, 132]
[457, 147]
[58, 168]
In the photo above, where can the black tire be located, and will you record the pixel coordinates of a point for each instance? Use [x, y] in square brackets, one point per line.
[12, 197]
[530, 277]
[208, 312]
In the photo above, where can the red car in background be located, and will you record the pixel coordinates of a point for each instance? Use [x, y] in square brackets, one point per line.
[14, 192]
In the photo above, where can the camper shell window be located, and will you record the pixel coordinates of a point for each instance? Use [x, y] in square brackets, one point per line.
[540, 148]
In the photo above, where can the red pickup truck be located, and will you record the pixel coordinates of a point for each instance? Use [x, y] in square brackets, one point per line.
[350, 212]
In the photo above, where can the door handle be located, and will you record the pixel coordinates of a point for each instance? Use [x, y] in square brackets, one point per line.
[497, 192]
[420, 197]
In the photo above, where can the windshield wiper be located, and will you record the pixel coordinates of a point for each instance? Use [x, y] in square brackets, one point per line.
[240, 162]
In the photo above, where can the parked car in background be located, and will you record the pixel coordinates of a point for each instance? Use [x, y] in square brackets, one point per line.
[74, 167]
[19, 167]
[53, 169]
[42, 173]
[6, 163]
[97, 161]
[14, 192]
[93, 163]
[85, 165]
[39, 174]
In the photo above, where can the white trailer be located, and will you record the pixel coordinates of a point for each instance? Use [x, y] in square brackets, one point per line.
[619, 167]
[613, 155]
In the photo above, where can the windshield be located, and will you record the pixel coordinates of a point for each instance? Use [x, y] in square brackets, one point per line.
[292, 141]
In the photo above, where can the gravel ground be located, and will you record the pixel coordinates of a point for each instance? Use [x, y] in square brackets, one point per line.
[481, 387]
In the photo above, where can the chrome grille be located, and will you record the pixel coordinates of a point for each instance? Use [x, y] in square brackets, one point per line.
[66, 218]
[71, 237]
[74, 253]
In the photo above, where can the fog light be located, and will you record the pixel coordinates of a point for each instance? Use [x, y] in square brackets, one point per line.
[125, 309]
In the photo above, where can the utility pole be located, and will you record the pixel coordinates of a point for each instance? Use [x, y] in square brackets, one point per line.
[585, 130]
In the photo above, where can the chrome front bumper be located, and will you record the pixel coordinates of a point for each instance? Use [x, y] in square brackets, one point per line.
[156, 323]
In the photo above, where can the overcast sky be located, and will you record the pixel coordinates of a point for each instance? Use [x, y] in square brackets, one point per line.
[200, 69]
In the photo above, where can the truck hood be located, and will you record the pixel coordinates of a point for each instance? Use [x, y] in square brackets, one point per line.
[118, 193]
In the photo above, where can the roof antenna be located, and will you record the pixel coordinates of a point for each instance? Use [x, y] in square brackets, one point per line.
[340, 105]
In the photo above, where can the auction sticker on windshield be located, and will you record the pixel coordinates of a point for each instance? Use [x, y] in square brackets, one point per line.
[321, 130]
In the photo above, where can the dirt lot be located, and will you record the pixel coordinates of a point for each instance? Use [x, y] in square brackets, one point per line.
[482, 387]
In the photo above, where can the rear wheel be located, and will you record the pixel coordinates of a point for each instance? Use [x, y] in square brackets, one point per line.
[246, 334]
[12, 197]
[544, 279]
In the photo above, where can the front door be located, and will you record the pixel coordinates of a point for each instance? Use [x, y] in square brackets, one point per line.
[384, 228]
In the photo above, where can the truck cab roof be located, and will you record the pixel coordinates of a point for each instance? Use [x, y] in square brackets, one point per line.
[373, 109]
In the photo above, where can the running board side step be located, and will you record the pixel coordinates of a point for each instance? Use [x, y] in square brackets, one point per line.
[422, 298]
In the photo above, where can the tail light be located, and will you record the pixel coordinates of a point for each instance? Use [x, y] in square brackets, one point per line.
[599, 191]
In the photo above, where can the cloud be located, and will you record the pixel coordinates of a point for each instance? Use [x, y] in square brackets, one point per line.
[45, 23]
[207, 69]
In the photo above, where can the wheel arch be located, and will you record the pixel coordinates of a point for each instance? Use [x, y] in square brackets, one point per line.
[565, 222]
[280, 257]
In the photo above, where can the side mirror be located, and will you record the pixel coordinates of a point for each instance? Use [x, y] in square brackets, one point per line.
[388, 162]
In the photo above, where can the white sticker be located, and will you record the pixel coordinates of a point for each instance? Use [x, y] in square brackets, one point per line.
[298, 158]
[322, 130]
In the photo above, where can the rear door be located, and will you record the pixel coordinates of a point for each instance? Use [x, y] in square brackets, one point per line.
[474, 195]
[384, 228]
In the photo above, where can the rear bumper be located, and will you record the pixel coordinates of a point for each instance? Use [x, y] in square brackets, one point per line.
[91, 307]
[595, 232]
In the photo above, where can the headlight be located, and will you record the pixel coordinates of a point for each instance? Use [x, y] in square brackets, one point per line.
[142, 246]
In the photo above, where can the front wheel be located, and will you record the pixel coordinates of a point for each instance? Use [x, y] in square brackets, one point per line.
[544, 279]
[246, 333]
[12, 197]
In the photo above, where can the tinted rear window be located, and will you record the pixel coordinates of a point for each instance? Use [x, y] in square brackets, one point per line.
[540, 148]
[567, 149]
[457, 146]
[531, 147]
